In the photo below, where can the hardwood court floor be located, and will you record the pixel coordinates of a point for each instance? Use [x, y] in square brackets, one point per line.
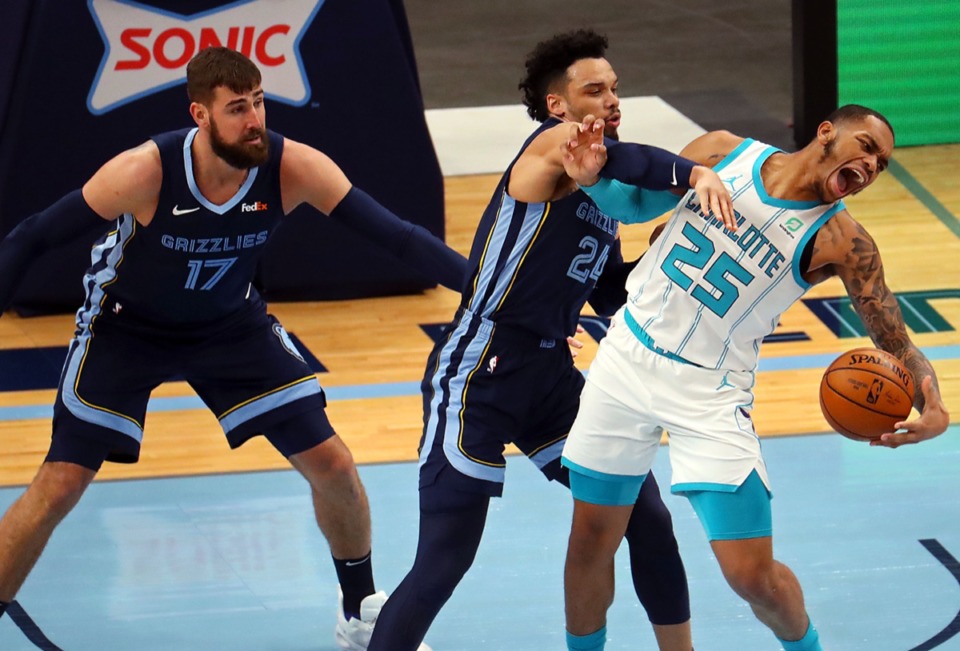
[375, 349]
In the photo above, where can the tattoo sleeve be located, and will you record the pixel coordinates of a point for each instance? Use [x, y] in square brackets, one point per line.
[862, 273]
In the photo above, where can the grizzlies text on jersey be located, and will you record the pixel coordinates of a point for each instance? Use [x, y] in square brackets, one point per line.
[195, 261]
[533, 265]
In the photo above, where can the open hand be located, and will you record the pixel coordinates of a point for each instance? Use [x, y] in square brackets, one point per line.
[713, 195]
[932, 422]
[584, 153]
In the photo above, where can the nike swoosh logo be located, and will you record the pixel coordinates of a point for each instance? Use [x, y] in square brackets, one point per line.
[673, 182]
[352, 563]
[177, 211]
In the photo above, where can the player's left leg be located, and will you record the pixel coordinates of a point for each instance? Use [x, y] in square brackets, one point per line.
[739, 527]
[339, 500]
[256, 381]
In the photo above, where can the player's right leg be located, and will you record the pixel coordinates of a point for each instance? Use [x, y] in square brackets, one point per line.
[609, 451]
[451, 526]
[467, 388]
[98, 415]
[659, 578]
[30, 521]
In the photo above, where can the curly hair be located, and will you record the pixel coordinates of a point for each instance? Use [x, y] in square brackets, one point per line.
[548, 62]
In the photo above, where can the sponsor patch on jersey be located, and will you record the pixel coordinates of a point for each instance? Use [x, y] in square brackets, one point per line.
[256, 206]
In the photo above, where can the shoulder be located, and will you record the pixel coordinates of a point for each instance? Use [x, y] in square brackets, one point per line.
[549, 138]
[140, 165]
[712, 147]
[298, 159]
[843, 231]
[307, 175]
[843, 243]
[128, 182]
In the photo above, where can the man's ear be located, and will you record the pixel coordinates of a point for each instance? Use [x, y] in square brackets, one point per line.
[556, 105]
[199, 113]
[826, 132]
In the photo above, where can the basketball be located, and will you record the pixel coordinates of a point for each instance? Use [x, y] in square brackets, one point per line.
[864, 392]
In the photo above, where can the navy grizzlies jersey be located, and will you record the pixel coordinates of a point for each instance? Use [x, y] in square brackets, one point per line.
[195, 262]
[533, 265]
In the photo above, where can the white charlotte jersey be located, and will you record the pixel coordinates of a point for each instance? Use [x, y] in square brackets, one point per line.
[709, 296]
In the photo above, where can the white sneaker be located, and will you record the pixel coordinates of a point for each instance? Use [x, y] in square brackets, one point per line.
[354, 634]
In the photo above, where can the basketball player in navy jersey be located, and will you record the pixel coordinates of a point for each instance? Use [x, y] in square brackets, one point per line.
[169, 294]
[700, 303]
[503, 374]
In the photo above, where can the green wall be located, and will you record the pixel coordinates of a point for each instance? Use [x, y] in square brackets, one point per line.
[902, 58]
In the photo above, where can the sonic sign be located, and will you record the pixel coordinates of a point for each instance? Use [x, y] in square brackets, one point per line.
[147, 49]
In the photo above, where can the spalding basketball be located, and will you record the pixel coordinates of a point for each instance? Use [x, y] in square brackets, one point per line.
[864, 392]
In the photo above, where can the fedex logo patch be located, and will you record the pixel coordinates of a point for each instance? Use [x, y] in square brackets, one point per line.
[147, 49]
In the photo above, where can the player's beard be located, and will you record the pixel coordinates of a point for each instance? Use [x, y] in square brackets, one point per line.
[827, 150]
[243, 155]
[827, 153]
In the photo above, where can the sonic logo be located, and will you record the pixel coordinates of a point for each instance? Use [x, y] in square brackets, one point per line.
[147, 49]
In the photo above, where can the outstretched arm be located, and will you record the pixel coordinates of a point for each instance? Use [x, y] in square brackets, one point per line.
[64, 221]
[607, 170]
[861, 270]
[122, 185]
[309, 176]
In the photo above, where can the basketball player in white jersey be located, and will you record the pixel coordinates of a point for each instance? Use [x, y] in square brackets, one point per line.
[682, 354]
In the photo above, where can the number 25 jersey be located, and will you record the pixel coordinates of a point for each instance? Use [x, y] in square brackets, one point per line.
[708, 295]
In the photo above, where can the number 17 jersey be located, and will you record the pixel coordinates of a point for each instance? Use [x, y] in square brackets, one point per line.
[707, 295]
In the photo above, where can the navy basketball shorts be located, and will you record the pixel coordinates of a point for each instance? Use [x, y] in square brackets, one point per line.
[486, 386]
[245, 368]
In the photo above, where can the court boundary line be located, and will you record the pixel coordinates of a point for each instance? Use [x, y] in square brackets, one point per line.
[940, 553]
[29, 627]
[924, 196]
[412, 388]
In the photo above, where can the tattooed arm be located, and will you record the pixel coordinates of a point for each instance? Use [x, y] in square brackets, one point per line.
[843, 248]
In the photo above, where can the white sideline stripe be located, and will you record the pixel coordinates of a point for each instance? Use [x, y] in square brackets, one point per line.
[483, 140]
